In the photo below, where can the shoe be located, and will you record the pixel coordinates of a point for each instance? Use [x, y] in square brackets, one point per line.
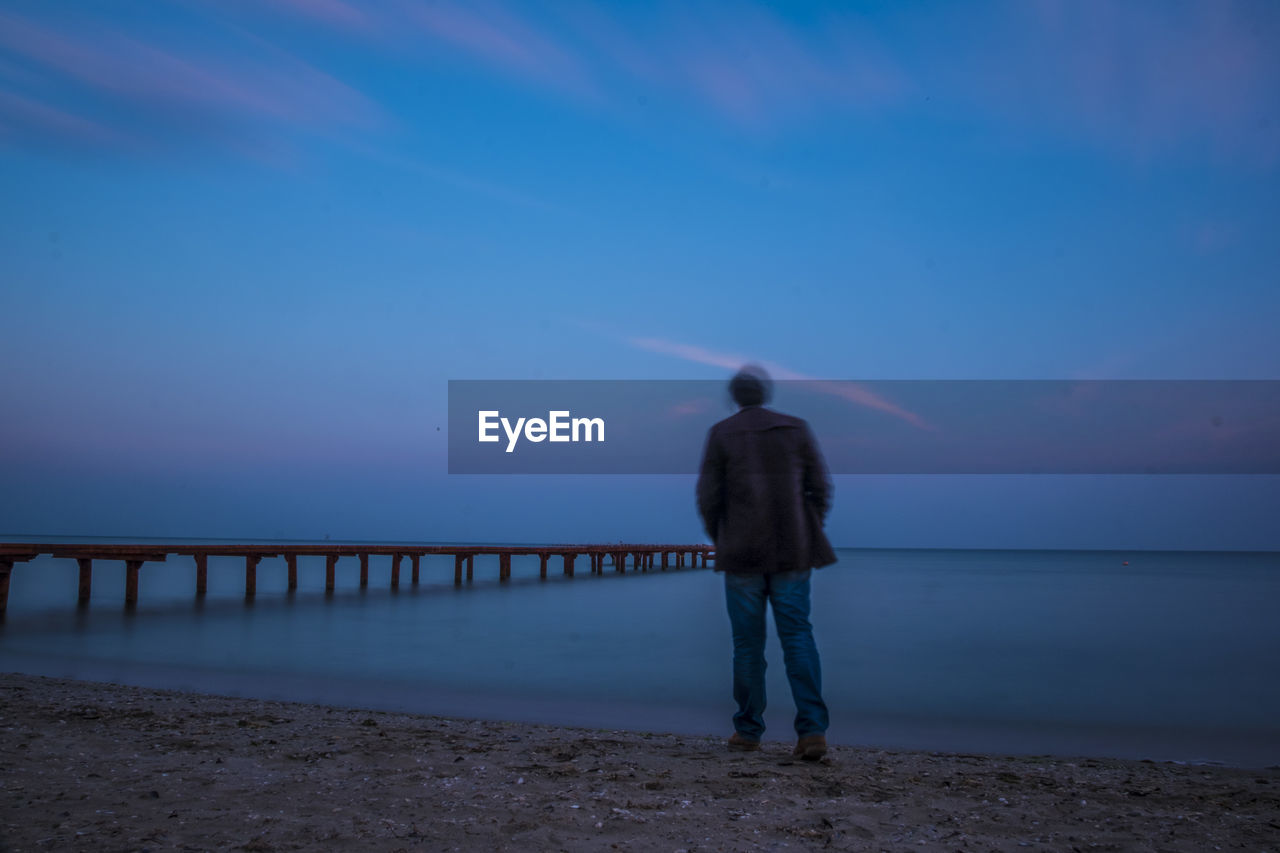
[810, 747]
[738, 743]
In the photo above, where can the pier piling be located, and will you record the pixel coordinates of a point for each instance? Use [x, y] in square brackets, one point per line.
[86, 578]
[6, 569]
[251, 575]
[131, 568]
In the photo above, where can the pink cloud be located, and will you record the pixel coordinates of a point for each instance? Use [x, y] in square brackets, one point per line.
[737, 63]
[1140, 78]
[690, 352]
[247, 101]
[851, 391]
[17, 110]
[116, 64]
[742, 63]
[863, 396]
[334, 13]
[754, 68]
[498, 37]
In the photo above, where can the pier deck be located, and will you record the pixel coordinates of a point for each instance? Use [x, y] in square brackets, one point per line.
[643, 557]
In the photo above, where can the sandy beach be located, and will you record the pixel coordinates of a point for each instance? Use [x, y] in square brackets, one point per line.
[90, 766]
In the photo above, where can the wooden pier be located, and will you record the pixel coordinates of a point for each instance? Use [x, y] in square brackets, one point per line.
[642, 558]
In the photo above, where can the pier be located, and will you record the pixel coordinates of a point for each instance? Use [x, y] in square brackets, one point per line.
[642, 558]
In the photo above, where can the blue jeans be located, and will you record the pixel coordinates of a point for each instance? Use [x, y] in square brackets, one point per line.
[788, 592]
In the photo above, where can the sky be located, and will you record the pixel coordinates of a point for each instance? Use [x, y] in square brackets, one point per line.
[244, 246]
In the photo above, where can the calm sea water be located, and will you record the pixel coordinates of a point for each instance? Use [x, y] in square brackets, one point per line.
[1173, 656]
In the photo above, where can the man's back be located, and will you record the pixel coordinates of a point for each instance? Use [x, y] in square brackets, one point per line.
[763, 492]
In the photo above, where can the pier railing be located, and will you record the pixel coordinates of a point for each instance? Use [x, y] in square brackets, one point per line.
[643, 558]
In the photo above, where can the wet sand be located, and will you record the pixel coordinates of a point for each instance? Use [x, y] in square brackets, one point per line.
[88, 766]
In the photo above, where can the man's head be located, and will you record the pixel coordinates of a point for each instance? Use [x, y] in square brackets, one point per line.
[751, 386]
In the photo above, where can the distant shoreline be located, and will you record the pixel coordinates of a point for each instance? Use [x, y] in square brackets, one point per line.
[92, 763]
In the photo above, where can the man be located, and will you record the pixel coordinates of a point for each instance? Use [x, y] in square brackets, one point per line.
[763, 494]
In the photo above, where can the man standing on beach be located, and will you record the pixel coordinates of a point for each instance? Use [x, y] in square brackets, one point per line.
[763, 494]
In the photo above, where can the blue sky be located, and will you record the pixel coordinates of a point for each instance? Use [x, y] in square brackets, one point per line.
[246, 244]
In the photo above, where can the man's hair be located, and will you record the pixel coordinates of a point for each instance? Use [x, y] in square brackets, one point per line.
[751, 386]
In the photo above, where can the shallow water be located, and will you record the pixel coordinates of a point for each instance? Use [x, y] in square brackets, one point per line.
[1170, 657]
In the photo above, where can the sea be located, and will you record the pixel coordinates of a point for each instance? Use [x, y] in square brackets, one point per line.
[1168, 656]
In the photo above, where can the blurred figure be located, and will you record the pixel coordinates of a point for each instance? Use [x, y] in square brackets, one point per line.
[763, 494]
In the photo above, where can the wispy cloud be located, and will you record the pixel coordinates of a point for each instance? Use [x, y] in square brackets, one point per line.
[734, 62]
[334, 13]
[130, 87]
[1138, 78]
[497, 35]
[751, 66]
[116, 64]
[852, 391]
[1141, 78]
[34, 119]
[691, 352]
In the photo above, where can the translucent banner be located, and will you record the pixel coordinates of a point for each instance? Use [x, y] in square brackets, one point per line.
[876, 427]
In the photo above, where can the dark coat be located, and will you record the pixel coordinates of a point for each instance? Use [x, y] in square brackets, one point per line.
[763, 494]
